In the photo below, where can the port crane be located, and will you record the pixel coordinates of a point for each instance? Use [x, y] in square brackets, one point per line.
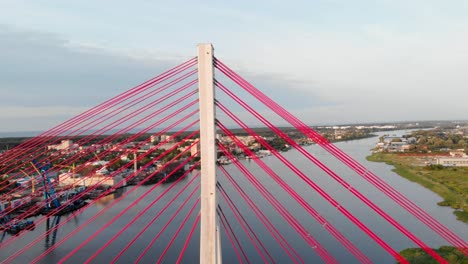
[52, 201]
[33, 180]
[49, 192]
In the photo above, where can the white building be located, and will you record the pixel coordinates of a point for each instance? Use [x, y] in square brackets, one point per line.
[398, 147]
[65, 144]
[154, 138]
[66, 180]
[459, 153]
[453, 161]
[165, 137]
[195, 149]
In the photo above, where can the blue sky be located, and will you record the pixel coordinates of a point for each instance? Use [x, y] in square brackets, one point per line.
[337, 61]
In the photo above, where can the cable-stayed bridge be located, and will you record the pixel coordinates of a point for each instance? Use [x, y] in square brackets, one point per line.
[173, 198]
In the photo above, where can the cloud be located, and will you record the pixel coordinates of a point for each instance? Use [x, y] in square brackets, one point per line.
[45, 79]
[44, 76]
[38, 112]
[43, 68]
[401, 66]
[371, 74]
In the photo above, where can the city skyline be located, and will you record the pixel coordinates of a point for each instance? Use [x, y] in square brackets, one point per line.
[396, 61]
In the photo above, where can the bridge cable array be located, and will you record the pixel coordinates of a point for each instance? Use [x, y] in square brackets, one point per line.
[168, 104]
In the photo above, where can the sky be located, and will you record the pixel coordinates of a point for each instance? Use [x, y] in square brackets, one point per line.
[326, 61]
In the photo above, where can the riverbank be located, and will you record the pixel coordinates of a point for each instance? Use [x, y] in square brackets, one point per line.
[451, 183]
[418, 255]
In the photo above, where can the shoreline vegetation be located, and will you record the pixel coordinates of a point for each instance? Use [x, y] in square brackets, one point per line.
[419, 256]
[451, 183]
[448, 182]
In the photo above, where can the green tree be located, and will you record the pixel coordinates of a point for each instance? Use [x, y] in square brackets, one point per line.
[422, 140]
[462, 144]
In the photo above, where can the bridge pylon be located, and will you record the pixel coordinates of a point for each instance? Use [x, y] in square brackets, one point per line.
[210, 250]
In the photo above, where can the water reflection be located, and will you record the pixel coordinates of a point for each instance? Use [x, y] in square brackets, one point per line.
[358, 149]
[50, 241]
[106, 200]
[3, 236]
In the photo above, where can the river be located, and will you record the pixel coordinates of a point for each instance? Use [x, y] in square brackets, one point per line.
[358, 149]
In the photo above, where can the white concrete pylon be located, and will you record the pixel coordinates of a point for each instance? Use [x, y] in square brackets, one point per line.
[209, 251]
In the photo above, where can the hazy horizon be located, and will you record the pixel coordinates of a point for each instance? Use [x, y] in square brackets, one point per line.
[136, 130]
[324, 61]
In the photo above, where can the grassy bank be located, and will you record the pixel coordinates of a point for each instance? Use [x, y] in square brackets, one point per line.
[419, 256]
[451, 183]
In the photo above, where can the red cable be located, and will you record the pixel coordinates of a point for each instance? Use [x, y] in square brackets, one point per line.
[115, 186]
[320, 219]
[229, 200]
[107, 104]
[133, 137]
[313, 243]
[81, 141]
[226, 225]
[337, 178]
[132, 114]
[161, 257]
[78, 169]
[329, 198]
[399, 198]
[149, 206]
[114, 126]
[114, 202]
[128, 129]
[154, 219]
[242, 224]
[189, 238]
[167, 224]
[106, 193]
[120, 214]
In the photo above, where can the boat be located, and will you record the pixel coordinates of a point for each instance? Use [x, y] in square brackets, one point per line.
[17, 226]
[75, 205]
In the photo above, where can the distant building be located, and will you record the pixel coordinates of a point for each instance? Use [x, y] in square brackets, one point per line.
[390, 139]
[340, 133]
[376, 127]
[167, 145]
[65, 144]
[99, 163]
[169, 138]
[154, 138]
[452, 161]
[145, 148]
[458, 153]
[398, 147]
[195, 149]
[124, 157]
